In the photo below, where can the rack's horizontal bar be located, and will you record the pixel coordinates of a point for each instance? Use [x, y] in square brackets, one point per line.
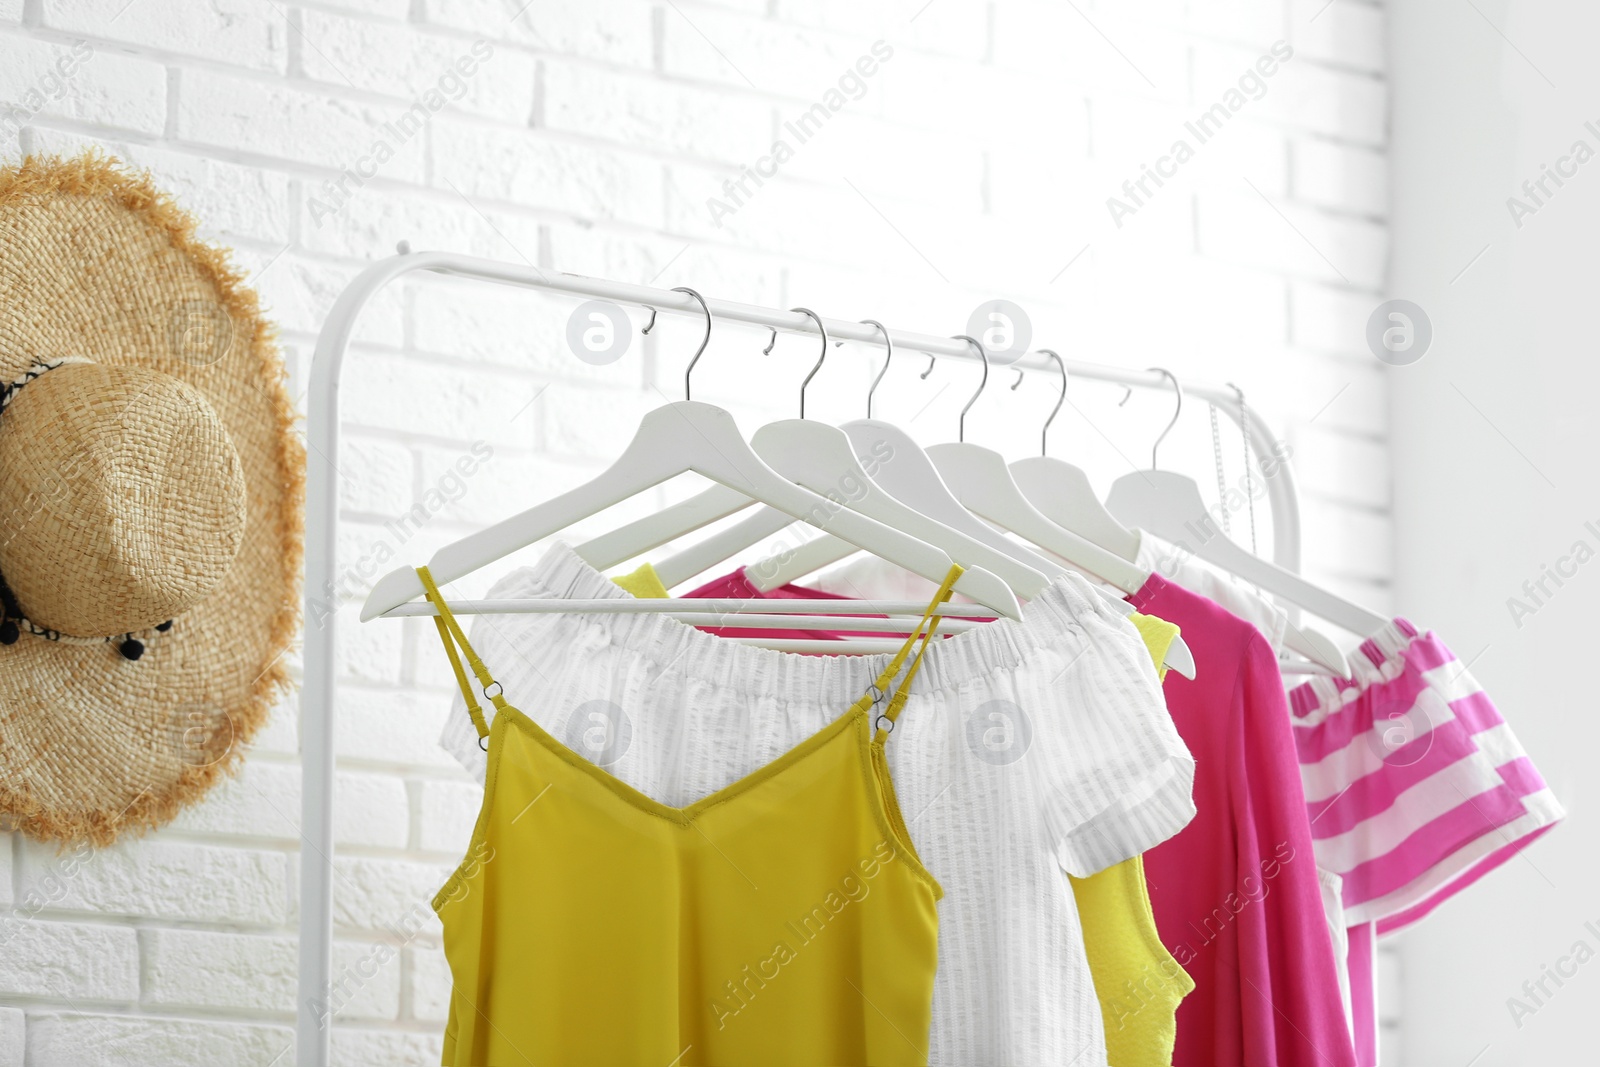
[633, 606]
[793, 321]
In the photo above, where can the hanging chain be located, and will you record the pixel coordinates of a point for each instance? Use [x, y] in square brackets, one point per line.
[1249, 484]
[1216, 458]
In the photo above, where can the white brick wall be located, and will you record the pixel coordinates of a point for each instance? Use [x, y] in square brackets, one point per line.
[588, 137]
[12, 1037]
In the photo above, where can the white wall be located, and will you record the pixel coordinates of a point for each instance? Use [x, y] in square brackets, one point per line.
[1494, 451]
[976, 163]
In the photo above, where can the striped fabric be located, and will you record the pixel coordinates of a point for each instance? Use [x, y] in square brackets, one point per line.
[1415, 785]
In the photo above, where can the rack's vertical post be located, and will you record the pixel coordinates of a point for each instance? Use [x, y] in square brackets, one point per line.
[314, 1005]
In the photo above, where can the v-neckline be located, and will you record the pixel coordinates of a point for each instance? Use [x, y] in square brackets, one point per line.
[855, 716]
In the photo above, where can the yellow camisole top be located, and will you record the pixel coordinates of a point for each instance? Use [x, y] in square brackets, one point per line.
[783, 919]
[1138, 982]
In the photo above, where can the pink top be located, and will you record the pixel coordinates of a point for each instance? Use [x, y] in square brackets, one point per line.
[1415, 784]
[1416, 789]
[736, 585]
[1235, 893]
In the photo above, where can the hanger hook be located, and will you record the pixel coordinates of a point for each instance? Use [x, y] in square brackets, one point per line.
[1177, 388]
[888, 354]
[961, 424]
[771, 341]
[931, 361]
[824, 331]
[652, 323]
[1020, 375]
[703, 341]
[1044, 433]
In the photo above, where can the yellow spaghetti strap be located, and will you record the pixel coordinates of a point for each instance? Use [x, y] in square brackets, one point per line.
[893, 667]
[902, 692]
[925, 628]
[473, 710]
[451, 634]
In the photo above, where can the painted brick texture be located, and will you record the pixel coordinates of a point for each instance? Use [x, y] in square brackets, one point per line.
[973, 154]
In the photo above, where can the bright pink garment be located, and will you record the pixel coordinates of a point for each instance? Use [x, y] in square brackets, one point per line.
[1416, 789]
[1235, 893]
[1362, 963]
[737, 586]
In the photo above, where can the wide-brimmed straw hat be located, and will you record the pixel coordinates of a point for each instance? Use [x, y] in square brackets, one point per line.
[151, 504]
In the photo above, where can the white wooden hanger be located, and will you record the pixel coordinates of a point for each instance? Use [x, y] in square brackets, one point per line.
[820, 457]
[671, 440]
[983, 484]
[678, 520]
[744, 613]
[981, 481]
[900, 466]
[1323, 654]
[1169, 505]
[905, 470]
[1063, 494]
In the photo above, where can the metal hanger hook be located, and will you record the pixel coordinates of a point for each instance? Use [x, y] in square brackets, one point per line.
[888, 355]
[703, 341]
[961, 423]
[1044, 433]
[652, 323]
[1020, 375]
[1177, 388]
[931, 361]
[772, 340]
[824, 331]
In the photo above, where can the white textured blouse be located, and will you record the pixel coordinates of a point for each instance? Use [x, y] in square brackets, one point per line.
[1026, 749]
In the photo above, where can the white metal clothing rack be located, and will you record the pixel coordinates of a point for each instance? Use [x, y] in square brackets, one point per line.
[314, 1010]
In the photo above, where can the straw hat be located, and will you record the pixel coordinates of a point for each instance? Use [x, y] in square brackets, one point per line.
[151, 501]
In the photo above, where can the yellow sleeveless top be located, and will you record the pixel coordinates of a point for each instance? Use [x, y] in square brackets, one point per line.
[784, 919]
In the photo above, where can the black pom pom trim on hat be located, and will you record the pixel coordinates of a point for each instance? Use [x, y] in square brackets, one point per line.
[13, 623]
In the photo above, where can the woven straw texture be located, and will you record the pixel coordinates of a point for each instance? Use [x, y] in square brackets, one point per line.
[123, 496]
[95, 262]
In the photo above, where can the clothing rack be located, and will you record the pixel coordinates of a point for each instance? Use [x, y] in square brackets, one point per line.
[313, 1027]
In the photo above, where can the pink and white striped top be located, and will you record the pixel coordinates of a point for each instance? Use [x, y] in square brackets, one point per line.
[1415, 785]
